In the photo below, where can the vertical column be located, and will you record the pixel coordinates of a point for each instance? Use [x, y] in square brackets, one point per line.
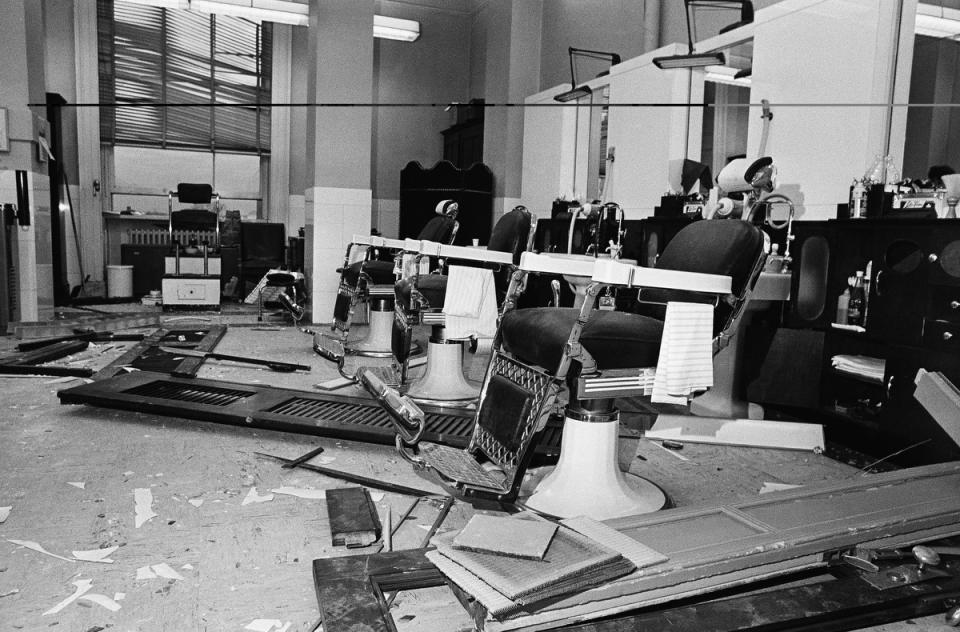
[338, 198]
[89, 204]
[512, 73]
[279, 209]
[22, 78]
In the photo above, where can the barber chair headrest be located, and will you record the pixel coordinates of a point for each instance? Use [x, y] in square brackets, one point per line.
[188, 193]
[447, 207]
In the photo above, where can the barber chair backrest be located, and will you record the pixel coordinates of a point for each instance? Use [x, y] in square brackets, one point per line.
[735, 248]
[439, 229]
[511, 234]
[188, 193]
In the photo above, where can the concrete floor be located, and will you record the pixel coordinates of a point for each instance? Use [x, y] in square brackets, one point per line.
[69, 474]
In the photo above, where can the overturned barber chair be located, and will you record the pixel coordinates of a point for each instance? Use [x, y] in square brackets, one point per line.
[460, 303]
[365, 278]
[596, 356]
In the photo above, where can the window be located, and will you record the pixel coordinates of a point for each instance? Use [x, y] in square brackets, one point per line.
[215, 67]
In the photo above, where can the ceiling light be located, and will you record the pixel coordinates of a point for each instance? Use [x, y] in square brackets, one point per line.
[693, 60]
[573, 95]
[255, 10]
[396, 28]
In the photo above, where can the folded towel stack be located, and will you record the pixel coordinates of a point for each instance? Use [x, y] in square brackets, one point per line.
[470, 304]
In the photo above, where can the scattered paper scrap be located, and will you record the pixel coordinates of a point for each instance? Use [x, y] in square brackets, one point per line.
[196, 502]
[61, 380]
[254, 497]
[10, 592]
[145, 572]
[164, 570]
[119, 596]
[143, 508]
[776, 487]
[129, 473]
[82, 587]
[187, 567]
[268, 625]
[102, 600]
[301, 492]
[77, 484]
[4, 512]
[158, 570]
[96, 555]
[33, 546]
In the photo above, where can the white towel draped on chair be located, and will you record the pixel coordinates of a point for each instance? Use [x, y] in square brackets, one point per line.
[470, 304]
[685, 365]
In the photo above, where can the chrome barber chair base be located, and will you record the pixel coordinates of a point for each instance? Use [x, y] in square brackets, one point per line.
[377, 342]
[443, 384]
[587, 480]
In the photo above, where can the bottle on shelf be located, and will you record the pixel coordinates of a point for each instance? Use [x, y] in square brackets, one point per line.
[858, 199]
[843, 303]
[857, 301]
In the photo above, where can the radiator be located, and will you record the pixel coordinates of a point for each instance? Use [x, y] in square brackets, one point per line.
[159, 236]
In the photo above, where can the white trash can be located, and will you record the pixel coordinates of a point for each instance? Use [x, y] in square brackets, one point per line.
[119, 281]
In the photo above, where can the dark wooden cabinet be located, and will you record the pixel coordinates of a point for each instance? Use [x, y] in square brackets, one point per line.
[912, 321]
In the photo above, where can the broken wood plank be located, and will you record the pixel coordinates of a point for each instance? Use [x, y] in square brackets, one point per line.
[709, 547]
[99, 322]
[145, 356]
[755, 433]
[47, 353]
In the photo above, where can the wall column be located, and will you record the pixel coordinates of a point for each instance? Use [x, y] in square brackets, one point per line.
[512, 73]
[338, 195]
[23, 80]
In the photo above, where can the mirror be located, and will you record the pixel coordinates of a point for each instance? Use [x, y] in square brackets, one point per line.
[903, 257]
[933, 133]
[599, 160]
[726, 111]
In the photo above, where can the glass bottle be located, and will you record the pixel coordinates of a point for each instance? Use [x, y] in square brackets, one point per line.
[857, 301]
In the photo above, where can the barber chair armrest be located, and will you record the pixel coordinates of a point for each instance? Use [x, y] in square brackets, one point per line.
[532, 262]
[378, 242]
[612, 272]
[464, 253]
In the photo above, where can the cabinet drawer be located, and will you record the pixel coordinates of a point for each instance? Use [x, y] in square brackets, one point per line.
[944, 303]
[941, 335]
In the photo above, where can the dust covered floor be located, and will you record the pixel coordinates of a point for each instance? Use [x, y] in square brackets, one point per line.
[70, 474]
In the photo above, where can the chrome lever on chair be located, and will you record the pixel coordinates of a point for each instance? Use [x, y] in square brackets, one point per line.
[330, 348]
[555, 288]
[407, 417]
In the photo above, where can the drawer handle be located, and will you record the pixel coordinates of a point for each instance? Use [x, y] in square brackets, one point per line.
[932, 257]
[947, 335]
[954, 304]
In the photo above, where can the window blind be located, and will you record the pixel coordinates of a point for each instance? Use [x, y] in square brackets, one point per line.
[154, 59]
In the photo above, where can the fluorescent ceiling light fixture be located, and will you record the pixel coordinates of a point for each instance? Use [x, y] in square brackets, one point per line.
[693, 60]
[573, 95]
[935, 21]
[396, 28]
[256, 10]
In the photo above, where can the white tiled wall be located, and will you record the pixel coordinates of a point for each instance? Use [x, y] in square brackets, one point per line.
[333, 216]
[386, 217]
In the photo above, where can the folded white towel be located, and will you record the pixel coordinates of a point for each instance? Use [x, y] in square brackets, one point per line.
[685, 365]
[470, 304]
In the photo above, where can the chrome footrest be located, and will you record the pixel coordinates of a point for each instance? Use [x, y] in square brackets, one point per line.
[616, 383]
[460, 466]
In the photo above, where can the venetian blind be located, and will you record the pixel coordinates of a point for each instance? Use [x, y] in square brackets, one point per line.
[154, 59]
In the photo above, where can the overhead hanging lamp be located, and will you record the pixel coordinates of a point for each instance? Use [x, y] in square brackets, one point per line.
[700, 60]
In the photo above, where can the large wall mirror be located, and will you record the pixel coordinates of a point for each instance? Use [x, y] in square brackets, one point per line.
[726, 111]
[933, 124]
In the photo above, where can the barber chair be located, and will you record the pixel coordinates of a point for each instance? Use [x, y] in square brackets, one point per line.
[365, 278]
[192, 271]
[289, 289]
[596, 356]
[420, 299]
